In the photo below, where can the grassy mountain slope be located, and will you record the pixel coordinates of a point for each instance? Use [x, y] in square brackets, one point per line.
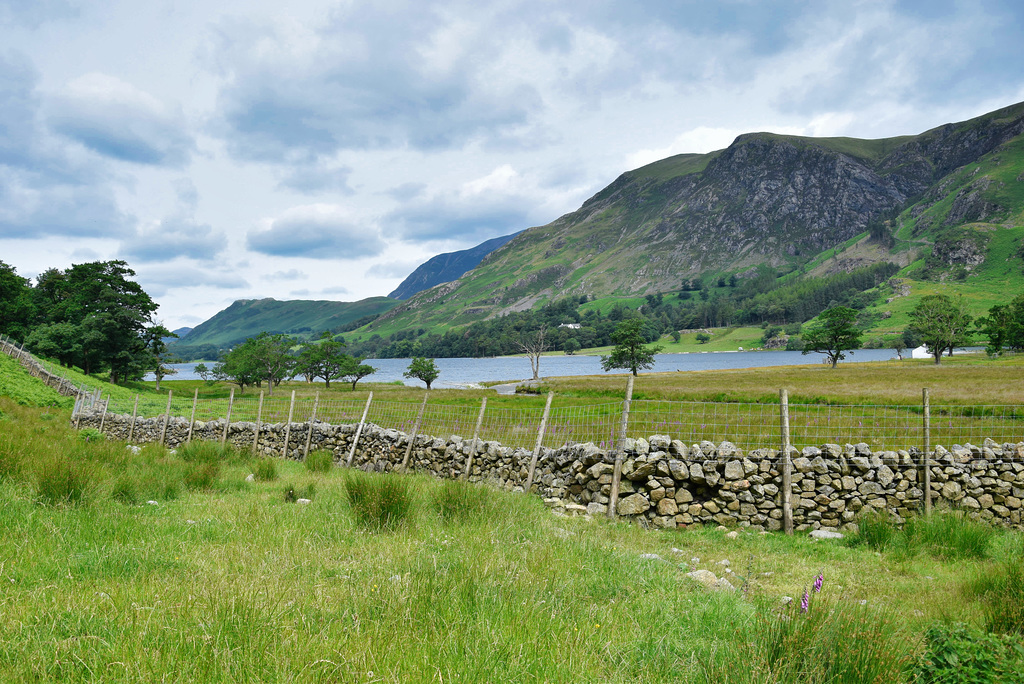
[799, 205]
[248, 317]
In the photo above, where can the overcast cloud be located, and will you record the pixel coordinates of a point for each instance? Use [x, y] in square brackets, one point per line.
[323, 148]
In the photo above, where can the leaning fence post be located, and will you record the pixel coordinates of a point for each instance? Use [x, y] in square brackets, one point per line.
[540, 440]
[620, 447]
[787, 465]
[359, 431]
[227, 421]
[415, 431]
[167, 419]
[927, 450]
[309, 426]
[192, 416]
[288, 427]
[103, 417]
[135, 412]
[476, 434]
[259, 424]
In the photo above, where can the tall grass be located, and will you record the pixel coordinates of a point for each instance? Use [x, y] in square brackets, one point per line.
[379, 502]
[1000, 588]
[948, 535]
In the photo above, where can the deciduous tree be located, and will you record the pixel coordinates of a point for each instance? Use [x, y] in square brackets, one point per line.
[630, 351]
[942, 323]
[833, 334]
[422, 369]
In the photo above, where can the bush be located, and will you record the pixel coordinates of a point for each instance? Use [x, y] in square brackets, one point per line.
[320, 461]
[957, 654]
[91, 435]
[265, 469]
[457, 500]
[379, 502]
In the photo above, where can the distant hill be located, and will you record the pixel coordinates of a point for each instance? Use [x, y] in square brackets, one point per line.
[248, 317]
[181, 332]
[447, 267]
[937, 204]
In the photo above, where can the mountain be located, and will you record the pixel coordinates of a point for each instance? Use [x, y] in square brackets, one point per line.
[447, 267]
[768, 200]
[181, 332]
[248, 317]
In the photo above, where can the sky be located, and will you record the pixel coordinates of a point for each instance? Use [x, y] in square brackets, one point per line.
[322, 149]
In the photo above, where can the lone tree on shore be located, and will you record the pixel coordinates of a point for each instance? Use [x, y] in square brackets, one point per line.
[942, 323]
[422, 369]
[630, 350]
[833, 334]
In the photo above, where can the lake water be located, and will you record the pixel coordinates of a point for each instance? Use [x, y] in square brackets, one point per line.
[469, 372]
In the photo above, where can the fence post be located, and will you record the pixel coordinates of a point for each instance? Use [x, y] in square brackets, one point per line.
[103, 417]
[415, 431]
[620, 447]
[135, 412]
[787, 464]
[167, 419]
[192, 416]
[227, 421]
[927, 451]
[309, 426]
[540, 440]
[359, 431]
[476, 435]
[288, 427]
[259, 424]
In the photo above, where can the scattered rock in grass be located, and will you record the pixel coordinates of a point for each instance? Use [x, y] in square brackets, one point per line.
[250, 477]
[732, 535]
[153, 503]
[652, 557]
[786, 600]
[303, 502]
[704, 577]
[560, 533]
[724, 562]
[825, 534]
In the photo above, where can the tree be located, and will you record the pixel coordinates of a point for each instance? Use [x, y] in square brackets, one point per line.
[703, 338]
[422, 369]
[355, 370]
[103, 313]
[571, 346]
[630, 352]
[205, 373]
[834, 334]
[264, 358]
[16, 306]
[1004, 327]
[156, 337]
[323, 359]
[534, 346]
[942, 323]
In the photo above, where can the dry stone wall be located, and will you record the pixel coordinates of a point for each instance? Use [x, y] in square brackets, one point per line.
[665, 483]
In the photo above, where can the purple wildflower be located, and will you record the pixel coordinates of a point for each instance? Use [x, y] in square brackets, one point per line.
[805, 602]
[818, 581]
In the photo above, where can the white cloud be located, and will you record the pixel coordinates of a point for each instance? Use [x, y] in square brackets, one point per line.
[316, 231]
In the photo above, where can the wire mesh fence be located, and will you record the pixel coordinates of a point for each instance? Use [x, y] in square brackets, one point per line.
[748, 425]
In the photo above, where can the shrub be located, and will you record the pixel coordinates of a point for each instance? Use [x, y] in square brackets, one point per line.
[457, 500]
[379, 502]
[91, 435]
[265, 469]
[957, 654]
[320, 461]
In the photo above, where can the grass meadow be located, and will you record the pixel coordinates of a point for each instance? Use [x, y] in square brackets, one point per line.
[119, 564]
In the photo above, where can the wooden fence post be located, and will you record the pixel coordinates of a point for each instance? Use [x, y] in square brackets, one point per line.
[540, 440]
[192, 416]
[167, 419]
[476, 434]
[620, 447]
[259, 424]
[787, 464]
[288, 427]
[227, 421]
[359, 431]
[927, 452]
[415, 431]
[103, 418]
[135, 412]
[309, 426]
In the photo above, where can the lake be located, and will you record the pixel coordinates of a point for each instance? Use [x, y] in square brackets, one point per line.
[461, 373]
